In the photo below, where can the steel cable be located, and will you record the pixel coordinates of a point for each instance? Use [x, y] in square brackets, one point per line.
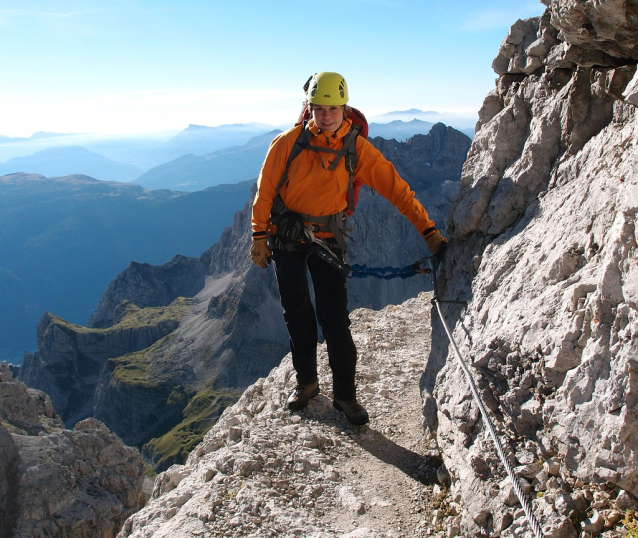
[525, 502]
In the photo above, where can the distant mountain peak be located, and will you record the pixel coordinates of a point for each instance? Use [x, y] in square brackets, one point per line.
[411, 111]
[45, 134]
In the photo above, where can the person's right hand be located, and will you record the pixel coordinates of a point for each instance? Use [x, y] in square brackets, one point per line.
[434, 239]
[440, 252]
[259, 251]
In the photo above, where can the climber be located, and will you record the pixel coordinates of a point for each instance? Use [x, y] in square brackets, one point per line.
[298, 213]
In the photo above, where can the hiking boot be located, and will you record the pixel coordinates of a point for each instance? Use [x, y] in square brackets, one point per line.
[353, 410]
[302, 395]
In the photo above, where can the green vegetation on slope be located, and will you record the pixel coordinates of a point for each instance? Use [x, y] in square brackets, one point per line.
[135, 369]
[200, 415]
[133, 317]
[147, 375]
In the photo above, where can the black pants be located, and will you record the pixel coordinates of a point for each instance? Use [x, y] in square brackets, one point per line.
[331, 298]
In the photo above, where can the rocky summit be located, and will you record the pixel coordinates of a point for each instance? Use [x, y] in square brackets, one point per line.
[56, 482]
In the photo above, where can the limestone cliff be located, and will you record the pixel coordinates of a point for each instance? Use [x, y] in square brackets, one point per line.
[544, 252]
[70, 358]
[149, 285]
[55, 482]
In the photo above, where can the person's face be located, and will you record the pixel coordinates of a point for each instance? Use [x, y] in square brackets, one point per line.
[327, 117]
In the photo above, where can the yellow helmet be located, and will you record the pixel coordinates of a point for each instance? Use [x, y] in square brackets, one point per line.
[328, 89]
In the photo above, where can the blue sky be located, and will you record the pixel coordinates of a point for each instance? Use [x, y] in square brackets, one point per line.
[135, 66]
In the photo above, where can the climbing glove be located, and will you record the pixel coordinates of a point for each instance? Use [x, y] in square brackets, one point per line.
[259, 252]
[436, 243]
[440, 253]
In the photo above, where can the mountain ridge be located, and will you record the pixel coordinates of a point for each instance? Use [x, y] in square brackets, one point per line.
[69, 160]
[194, 172]
[63, 230]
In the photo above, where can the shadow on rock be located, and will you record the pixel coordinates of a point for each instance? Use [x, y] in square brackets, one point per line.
[8, 483]
[418, 467]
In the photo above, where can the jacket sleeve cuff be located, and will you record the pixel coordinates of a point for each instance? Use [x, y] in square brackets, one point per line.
[429, 231]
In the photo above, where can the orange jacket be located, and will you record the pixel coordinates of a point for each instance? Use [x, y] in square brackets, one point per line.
[314, 190]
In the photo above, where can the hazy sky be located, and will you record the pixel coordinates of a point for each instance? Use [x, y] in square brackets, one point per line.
[130, 66]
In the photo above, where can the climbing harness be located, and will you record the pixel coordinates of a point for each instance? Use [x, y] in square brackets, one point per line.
[524, 500]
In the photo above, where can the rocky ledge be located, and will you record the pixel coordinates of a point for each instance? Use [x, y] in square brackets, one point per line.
[56, 482]
[263, 471]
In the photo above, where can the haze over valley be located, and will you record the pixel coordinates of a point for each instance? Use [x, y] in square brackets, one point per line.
[192, 159]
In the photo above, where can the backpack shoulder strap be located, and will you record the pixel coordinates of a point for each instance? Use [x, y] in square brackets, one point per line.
[348, 148]
[302, 142]
[351, 162]
[351, 151]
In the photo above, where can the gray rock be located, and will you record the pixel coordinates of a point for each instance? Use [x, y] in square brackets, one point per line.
[561, 528]
[540, 480]
[603, 30]
[625, 501]
[631, 91]
[508, 493]
[594, 523]
[540, 232]
[350, 502]
[552, 466]
[76, 483]
[148, 285]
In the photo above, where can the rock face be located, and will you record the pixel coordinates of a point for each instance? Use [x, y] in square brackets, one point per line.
[202, 330]
[601, 33]
[544, 252]
[149, 285]
[79, 483]
[70, 358]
